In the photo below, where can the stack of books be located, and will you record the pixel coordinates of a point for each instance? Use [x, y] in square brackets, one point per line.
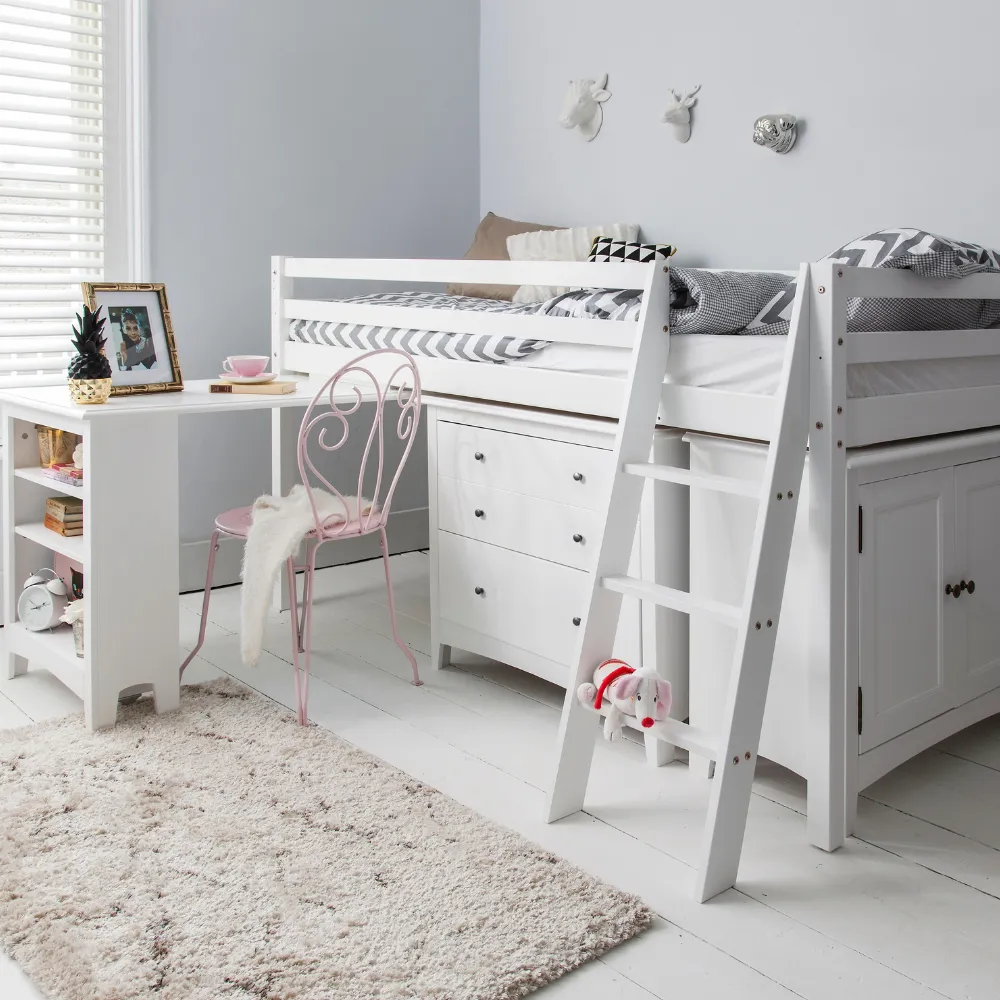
[65, 472]
[64, 515]
[264, 388]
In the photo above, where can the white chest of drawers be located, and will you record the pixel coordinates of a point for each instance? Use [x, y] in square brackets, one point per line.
[515, 508]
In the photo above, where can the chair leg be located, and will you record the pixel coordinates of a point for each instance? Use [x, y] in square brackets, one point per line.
[407, 652]
[293, 617]
[306, 632]
[213, 547]
[306, 591]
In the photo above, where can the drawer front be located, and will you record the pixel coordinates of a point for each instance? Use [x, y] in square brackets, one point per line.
[552, 470]
[525, 601]
[553, 531]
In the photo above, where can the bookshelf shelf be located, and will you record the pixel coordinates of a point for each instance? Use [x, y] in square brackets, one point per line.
[55, 649]
[72, 548]
[35, 474]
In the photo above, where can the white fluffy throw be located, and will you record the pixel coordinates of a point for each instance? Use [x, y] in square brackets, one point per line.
[279, 526]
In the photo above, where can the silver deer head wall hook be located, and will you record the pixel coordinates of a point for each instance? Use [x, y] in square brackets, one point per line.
[678, 113]
[775, 132]
[582, 108]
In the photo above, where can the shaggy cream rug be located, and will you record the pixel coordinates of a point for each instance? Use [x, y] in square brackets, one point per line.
[225, 852]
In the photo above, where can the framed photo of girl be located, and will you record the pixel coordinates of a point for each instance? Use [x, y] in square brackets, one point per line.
[140, 338]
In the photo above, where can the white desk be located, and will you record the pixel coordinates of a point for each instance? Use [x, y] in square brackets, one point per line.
[130, 546]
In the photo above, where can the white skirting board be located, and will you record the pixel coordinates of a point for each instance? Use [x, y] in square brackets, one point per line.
[407, 532]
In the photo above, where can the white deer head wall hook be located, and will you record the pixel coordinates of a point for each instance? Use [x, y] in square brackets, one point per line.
[582, 109]
[678, 113]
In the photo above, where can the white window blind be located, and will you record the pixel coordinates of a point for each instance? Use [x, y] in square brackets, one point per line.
[52, 193]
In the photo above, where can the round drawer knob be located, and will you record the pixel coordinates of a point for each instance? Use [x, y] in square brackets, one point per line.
[578, 538]
[971, 587]
[577, 477]
[480, 591]
[480, 513]
[576, 621]
[479, 456]
[954, 591]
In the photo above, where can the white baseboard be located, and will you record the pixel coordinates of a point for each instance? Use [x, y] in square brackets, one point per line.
[407, 531]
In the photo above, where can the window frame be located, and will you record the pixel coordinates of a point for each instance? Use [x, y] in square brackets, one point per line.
[126, 151]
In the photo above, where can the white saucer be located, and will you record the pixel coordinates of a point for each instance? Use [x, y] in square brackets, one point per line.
[243, 380]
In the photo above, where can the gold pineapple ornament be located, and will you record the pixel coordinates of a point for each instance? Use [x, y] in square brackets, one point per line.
[89, 372]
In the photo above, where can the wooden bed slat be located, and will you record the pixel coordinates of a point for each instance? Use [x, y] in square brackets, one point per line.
[920, 345]
[495, 272]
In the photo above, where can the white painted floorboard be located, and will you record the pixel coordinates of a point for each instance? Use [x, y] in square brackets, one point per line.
[908, 909]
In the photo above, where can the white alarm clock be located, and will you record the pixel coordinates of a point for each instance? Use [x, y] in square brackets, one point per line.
[42, 600]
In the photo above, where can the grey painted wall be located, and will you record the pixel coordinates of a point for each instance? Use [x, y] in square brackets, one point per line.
[306, 127]
[898, 98]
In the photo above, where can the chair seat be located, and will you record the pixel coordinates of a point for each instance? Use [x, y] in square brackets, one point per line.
[237, 522]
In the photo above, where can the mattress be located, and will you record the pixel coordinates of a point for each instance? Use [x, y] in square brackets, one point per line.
[753, 365]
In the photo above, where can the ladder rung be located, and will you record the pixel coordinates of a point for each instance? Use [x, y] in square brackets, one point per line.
[680, 734]
[667, 597]
[704, 480]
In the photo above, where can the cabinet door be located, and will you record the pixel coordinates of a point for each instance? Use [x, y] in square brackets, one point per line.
[906, 622]
[977, 544]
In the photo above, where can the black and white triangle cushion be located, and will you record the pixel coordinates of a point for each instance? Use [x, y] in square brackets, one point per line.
[605, 250]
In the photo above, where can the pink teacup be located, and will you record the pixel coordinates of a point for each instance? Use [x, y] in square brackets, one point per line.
[245, 365]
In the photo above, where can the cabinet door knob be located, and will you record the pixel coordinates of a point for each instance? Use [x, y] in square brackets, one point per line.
[479, 456]
[954, 591]
[578, 538]
[578, 477]
[479, 512]
[576, 621]
[480, 591]
[971, 586]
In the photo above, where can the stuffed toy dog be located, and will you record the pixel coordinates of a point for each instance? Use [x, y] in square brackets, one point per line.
[619, 690]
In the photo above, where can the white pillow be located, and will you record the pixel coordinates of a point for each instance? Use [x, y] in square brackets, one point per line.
[561, 244]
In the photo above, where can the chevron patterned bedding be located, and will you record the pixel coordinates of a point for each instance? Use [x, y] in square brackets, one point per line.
[702, 302]
[756, 303]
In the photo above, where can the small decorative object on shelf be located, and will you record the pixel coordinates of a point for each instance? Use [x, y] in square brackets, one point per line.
[42, 601]
[64, 515]
[55, 446]
[73, 615]
[66, 473]
[89, 372]
[775, 132]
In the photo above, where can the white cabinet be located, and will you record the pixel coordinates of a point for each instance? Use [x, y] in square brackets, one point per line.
[977, 561]
[905, 627]
[515, 507]
[923, 522]
[929, 578]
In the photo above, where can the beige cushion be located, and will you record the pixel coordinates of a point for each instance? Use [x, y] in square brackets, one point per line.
[490, 243]
[562, 244]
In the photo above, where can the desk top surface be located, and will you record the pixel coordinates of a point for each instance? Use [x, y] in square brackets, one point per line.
[193, 398]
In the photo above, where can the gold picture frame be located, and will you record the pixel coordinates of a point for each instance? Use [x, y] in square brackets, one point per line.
[127, 370]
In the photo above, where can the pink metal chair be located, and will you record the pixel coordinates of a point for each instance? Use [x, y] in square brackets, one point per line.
[397, 404]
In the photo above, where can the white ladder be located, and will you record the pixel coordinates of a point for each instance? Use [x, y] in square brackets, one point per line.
[734, 749]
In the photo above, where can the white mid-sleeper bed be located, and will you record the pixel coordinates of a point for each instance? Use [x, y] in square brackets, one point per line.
[871, 393]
